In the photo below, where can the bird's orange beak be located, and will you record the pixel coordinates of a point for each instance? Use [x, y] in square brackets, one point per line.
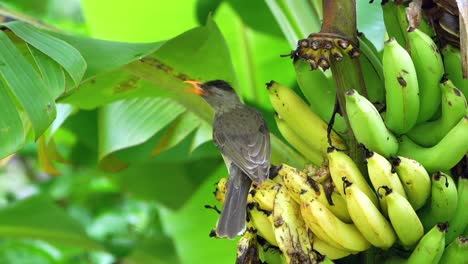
[197, 88]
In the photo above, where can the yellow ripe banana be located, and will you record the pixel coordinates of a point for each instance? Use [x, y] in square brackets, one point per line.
[443, 156]
[367, 218]
[404, 219]
[300, 118]
[221, 189]
[368, 126]
[290, 230]
[262, 221]
[264, 194]
[313, 155]
[328, 250]
[336, 231]
[321, 234]
[341, 165]
[247, 248]
[302, 188]
[429, 68]
[401, 88]
[415, 180]
[381, 173]
[318, 174]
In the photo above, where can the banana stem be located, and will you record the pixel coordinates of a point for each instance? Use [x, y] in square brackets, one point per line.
[339, 17]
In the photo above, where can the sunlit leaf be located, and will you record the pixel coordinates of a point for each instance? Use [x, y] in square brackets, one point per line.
[49, 223]
[140, 21]
[27, 87]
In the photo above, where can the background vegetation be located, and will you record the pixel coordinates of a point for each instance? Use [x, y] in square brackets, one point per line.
[113, 159]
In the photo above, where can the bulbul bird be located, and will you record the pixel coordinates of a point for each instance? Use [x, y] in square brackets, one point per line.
[242, 136]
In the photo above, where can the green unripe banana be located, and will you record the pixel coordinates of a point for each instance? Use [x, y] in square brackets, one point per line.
[368, 126]
[453, 66]
[367, 217]
[298, 143]
[395, 21]
[415, 180]
[372, 68]
[443, 203]
[341, 165]
[459, 221]
[404, 219]
[381, 174]
[443, 156]
[456, 252]
[429, 68]
[401, 87]
[300, 118]
[454, 107]
[319, 92]
[431, 246]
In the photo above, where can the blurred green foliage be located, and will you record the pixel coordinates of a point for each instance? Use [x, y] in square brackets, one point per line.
[133, 151]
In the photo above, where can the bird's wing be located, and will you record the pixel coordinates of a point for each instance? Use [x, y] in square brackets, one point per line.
[243, 137]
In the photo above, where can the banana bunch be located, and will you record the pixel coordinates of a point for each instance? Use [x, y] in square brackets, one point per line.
[342, 215]
[404, 197]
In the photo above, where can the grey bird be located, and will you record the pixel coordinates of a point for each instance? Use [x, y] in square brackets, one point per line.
[241, 134]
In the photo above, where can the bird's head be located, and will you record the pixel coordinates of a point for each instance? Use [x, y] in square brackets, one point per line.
[218, 93]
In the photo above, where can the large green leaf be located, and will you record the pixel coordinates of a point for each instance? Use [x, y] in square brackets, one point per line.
[131, 122]
[51, 72]
[12, 134]
[12, 251]
[38, 217]
[60, 51]
[113, 86]
[102, 56]
[185, 124]
[26, 86]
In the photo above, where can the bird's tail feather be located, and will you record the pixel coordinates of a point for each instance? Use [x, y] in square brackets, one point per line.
[233, 217]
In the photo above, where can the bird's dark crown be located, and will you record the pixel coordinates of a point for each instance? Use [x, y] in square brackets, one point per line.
[223, 85]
